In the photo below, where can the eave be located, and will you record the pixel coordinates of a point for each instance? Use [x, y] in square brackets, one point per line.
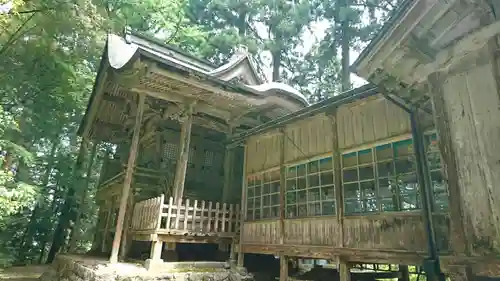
[426, 36]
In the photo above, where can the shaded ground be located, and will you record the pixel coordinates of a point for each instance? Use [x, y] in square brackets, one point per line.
[22, 273]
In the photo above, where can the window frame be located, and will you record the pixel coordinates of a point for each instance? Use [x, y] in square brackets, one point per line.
[309, 207]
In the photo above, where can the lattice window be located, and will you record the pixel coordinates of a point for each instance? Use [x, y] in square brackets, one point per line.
[439, 187]
[191, 156]
[208, 159]
[170, 152]
[263, 195]
[310, 189]
[381, 179]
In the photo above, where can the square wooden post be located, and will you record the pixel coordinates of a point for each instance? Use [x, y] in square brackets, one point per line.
[243, 211]
[182, 161]
[282, 186]
[128, 180]
[110, 207]
[337, 174]
[344, 271]
[155, 255]
[283, 268]
[228, 170]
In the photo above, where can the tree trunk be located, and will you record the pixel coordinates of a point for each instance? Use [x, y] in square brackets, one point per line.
[32, 226]
[76, 226]
[276, 65]
[345, 45]
[48, 235]
[67, 212]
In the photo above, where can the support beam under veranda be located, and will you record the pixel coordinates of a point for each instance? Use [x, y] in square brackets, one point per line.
[128, 180]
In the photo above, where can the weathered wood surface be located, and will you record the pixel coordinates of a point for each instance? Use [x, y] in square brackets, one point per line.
[359, 123]
[185, 217]
[370, 120]
[261, 232]
[472, 123]
[313, 231]
[396, 231]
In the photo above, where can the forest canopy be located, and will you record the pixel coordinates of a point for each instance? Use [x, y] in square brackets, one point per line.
[49, 54]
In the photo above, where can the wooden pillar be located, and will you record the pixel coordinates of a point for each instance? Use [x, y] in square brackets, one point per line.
[182, 160]
[107, 224]
[282, 186]
[228, 175]
[337, 174]
[344, 271]
[405, 273]
[155, 255]
[101, 219]
[127, 181]
[232, 254]
[127, 241]
[243, 211]
[450, 167]
[283, 268]
[228, 171]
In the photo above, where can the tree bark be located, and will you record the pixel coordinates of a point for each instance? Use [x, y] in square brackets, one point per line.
[345, 45]
[276, 65]
[75, 230]
[32, 226]
[66, 216]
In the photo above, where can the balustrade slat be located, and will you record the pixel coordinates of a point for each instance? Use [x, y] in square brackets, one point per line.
[186, 215]
[169, 212]
[202, 215]
[195, 214]
[230, 219]
[160, 211]
[237, 218]
[209, 224]
[224, 213]
[178, 213]
[217, 214]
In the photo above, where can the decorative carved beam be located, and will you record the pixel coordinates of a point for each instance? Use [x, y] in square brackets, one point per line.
[193, 82]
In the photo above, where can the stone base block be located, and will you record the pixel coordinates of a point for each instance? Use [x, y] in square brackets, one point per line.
[152, 264]
[169, 255]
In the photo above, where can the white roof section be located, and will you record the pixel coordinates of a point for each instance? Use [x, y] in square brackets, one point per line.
[240, 69]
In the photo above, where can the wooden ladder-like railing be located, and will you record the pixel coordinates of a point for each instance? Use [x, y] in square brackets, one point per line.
[186, 217]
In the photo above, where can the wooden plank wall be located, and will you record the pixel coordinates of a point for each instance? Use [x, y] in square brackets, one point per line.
[395, 231]
[370, 120]
[263, 152]
[361, 123]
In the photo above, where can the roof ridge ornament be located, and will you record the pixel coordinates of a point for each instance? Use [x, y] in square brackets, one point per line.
[241, 50]
[127, 31]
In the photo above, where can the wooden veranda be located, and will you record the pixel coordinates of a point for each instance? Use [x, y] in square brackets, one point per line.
[168, 177]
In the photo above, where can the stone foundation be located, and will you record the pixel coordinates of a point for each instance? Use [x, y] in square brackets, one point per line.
[83, 268]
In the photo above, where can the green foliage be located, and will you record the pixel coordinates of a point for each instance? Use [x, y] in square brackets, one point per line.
[49, 54]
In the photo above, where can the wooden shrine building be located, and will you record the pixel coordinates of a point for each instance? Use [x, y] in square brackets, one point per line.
[445, 54]
[352, 183]
[404, 170]
[170, 178]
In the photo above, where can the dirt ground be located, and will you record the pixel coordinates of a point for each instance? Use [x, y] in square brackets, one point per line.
[22, 273]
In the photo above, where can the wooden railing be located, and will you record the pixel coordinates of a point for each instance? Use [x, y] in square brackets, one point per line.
[186, 217]
[147, 214]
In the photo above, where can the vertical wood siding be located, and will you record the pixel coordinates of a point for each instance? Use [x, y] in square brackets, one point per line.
[370, 120]
[472, 100]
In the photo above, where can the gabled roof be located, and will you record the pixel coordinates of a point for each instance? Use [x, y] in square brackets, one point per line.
[240, 67]
[240, 70]
[234, 88]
